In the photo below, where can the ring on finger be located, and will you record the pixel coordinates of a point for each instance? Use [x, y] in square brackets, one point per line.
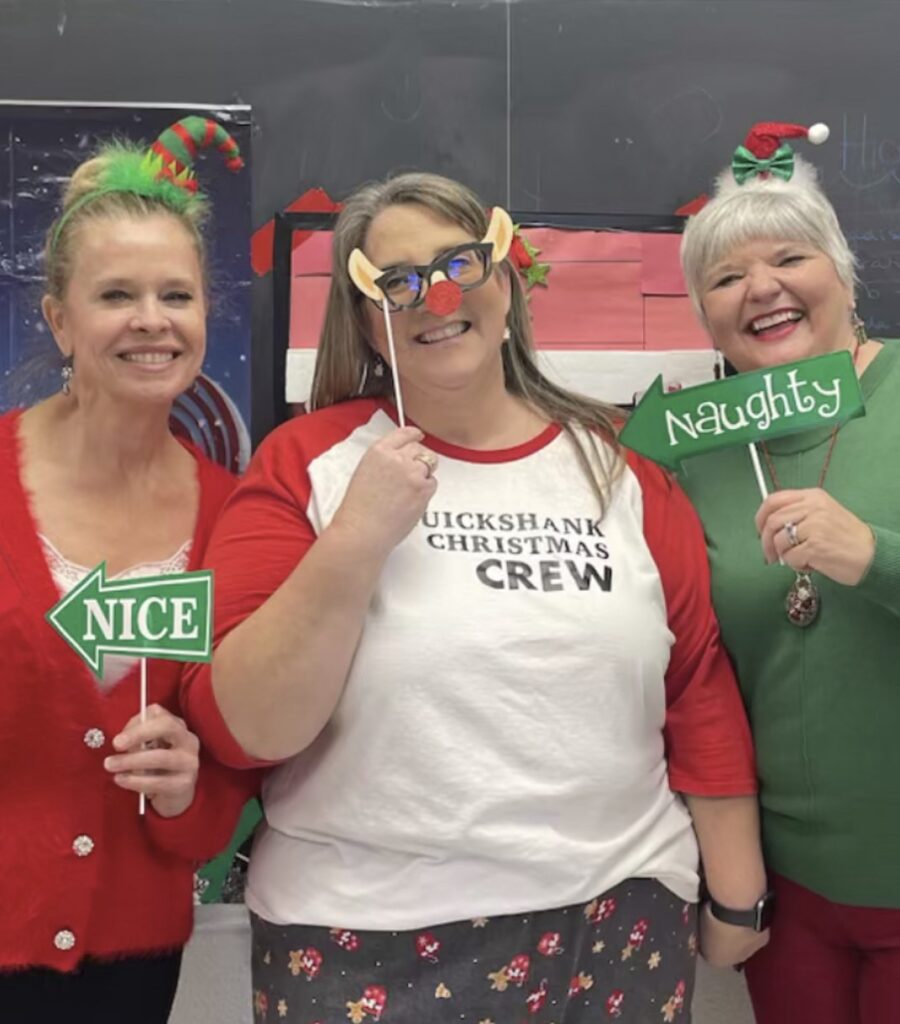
[428, 460]
[790, 529]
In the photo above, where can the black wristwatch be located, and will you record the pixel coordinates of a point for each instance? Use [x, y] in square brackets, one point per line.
[758, 917]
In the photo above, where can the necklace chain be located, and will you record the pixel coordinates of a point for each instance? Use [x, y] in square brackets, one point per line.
[770, 465]
[802, 600]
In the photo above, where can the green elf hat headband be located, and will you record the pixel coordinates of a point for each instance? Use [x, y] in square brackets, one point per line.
[439, 286]
[764, 154]
[177, 148]
[164, 171]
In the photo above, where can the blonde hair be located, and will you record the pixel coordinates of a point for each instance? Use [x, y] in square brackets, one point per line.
[86, 199]
[763, 208]
[344, 358]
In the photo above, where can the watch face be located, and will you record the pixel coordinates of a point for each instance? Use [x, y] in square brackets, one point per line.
[765, 911]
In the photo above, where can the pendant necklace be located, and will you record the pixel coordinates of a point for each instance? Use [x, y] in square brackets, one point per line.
[802, 600]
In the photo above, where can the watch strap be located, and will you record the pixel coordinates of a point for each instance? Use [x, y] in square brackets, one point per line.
[756, 917]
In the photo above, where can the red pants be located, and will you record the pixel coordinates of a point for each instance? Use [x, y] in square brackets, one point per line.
[826, 963]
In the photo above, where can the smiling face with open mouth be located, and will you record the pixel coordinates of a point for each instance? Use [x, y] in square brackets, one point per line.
[133, 315]
[434, 352]
[771, 301]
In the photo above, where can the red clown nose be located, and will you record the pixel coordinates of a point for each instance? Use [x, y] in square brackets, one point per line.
[443, 298]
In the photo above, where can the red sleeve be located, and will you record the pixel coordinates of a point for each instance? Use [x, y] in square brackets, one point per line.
[262, 534]
[708, 743]
[206, 827]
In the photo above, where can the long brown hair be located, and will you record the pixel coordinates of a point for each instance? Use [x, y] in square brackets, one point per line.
[344, 360]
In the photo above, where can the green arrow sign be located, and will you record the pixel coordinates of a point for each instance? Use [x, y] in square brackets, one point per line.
[818, 392]
[149, 617]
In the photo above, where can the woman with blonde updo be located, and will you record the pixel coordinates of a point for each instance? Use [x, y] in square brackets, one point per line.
[97, 900]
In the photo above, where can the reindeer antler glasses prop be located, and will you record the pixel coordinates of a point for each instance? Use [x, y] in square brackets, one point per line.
[438, 285]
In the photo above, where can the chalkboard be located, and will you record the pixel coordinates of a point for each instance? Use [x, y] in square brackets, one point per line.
[587, 107]
[647, 101]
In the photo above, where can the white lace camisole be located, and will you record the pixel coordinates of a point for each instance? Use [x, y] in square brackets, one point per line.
[68, 574]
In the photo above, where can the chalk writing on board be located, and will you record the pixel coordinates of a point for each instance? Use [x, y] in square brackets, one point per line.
[403, 101]
[868, 159]
[886, 234]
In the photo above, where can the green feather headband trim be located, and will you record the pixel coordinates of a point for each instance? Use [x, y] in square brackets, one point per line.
[140, 172]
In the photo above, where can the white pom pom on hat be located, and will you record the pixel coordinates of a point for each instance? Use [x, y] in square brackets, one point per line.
[766, 136]
[818, 133]
[763, 141]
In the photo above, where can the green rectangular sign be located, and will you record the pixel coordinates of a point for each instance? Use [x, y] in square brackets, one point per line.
[818, 392]
[149, 617]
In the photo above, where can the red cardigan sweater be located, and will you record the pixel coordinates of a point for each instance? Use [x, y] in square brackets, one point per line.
[80, 872]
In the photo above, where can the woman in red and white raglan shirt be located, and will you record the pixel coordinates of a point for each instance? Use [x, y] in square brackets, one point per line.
[481, 652]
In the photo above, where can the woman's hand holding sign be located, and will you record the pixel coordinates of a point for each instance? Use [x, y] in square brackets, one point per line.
[808, 529]
[390, 490]
[159, 757]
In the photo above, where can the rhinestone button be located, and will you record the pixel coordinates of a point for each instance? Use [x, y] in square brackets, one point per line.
[83, 845]
[64, 939]
[94, 739]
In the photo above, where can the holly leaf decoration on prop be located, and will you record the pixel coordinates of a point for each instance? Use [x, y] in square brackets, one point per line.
[750, 407]
[439, 285]
[523, 254]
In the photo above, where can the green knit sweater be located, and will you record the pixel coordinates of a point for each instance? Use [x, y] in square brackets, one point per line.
[824, 702]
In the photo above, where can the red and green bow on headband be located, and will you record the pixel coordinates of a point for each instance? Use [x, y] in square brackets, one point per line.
[764, 154]
[745, 164]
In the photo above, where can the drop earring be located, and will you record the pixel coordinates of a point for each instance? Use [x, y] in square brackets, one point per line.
[374, 366]
[67, 372]
[859, 327]
[718, 365]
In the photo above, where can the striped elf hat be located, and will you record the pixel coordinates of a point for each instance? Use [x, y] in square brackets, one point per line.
[177, 147]
[164, 172]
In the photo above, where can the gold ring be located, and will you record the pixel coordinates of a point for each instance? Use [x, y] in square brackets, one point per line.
[428, 460]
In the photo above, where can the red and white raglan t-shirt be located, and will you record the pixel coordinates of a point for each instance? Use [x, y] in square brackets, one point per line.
[530, 688]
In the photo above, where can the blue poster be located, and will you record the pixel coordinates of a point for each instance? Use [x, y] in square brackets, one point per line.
[42, 145]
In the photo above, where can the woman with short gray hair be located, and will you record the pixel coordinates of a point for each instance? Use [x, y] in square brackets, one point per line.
[813, 627]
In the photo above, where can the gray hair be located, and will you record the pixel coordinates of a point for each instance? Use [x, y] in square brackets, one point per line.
[791, 211]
